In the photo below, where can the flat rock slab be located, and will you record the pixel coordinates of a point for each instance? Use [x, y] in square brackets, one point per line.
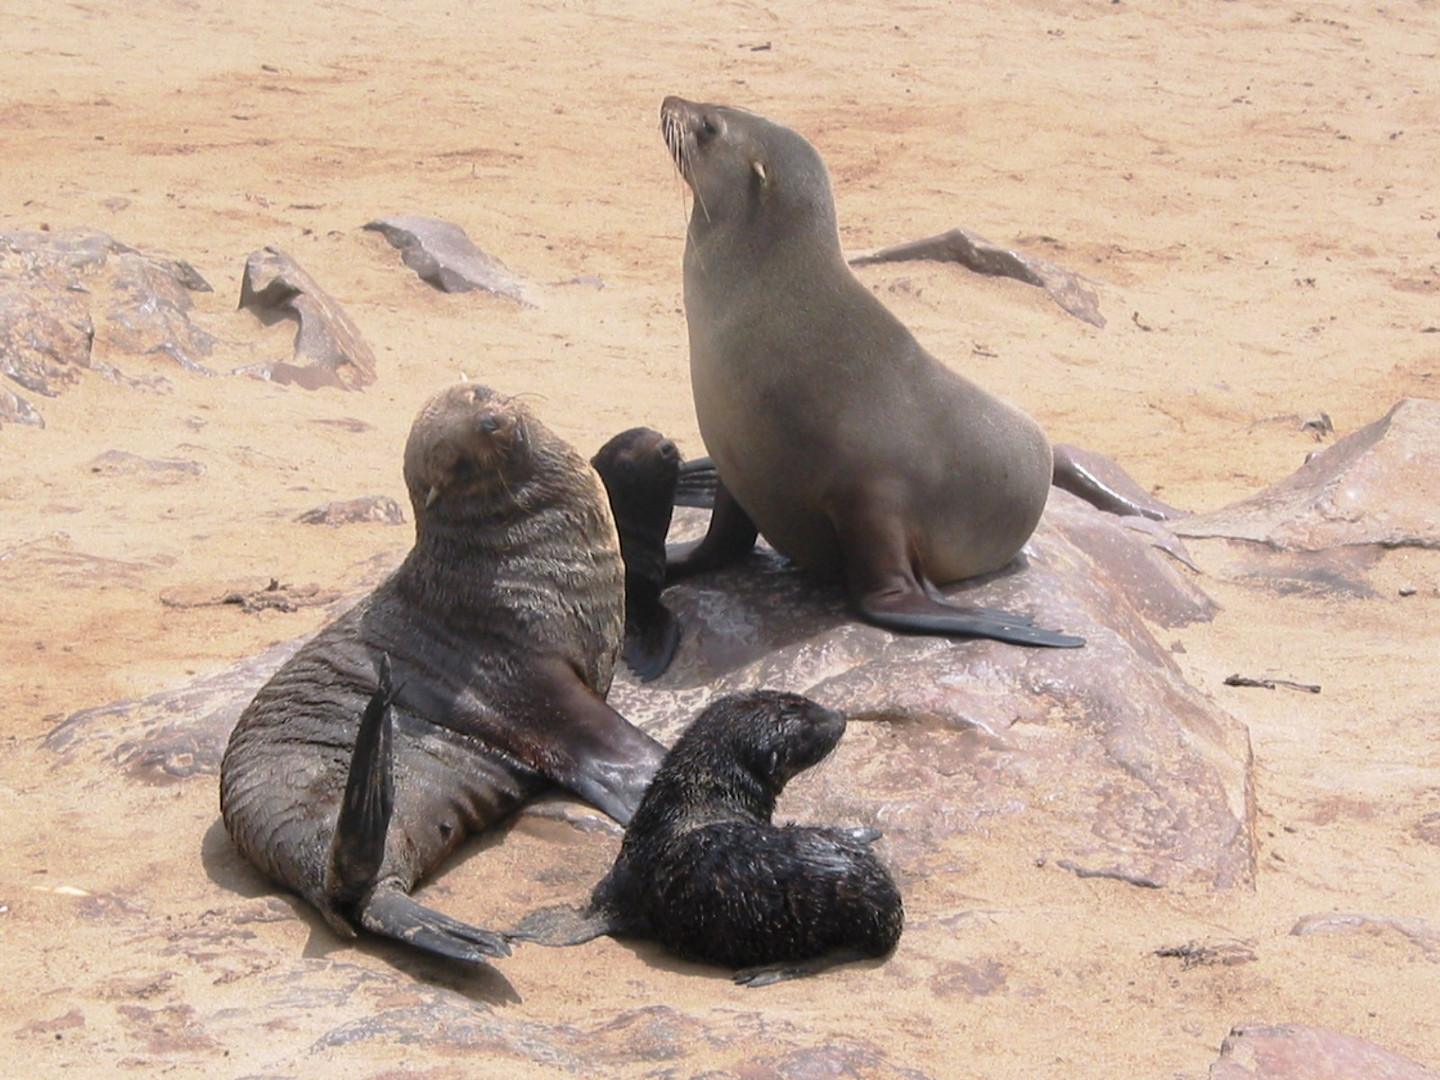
[172, 735]
[974, 252]
[329, 349]
[61, 291]
[367, 508]
[1099, 759]
[156, 470]
[1297, 1052]
[1104, 759]
[441, 253]
[1379, 486]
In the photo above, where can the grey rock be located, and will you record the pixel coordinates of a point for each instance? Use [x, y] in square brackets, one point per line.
[329, 349]
[1103, 760]
[1378, 486]
[974, 252]
[1298, 1052]
[59, 291]
[441, 253]
[367, 508]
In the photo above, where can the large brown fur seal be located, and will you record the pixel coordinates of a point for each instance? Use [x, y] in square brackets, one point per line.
[703, 870]
[836, 435]
[479, 667]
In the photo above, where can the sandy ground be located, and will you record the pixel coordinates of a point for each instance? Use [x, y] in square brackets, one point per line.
[1251, 184]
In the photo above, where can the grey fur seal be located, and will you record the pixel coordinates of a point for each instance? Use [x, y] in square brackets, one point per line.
[703, 870]
[640, 468]
[471, 679]
[835, 434]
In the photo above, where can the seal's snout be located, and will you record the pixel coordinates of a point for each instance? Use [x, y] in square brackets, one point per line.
[495, 429]
[686, 127]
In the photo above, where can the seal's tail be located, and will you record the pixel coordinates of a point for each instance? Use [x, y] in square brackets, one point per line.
[357, 851]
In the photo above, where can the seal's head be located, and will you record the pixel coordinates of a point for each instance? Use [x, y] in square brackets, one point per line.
[770, 734]
[467, 442]
[741, 166]
[638, 466]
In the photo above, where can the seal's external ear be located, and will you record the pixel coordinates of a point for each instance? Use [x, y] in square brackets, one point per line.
[759, 167]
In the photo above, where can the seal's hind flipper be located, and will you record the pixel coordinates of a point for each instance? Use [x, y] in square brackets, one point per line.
[389, 911]
[357, 852]
[358, 847]
[562, 926]
[652, 634]
[1105, 485]
[768, 974]
[934, 617]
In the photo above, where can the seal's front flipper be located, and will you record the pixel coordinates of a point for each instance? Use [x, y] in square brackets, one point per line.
[568, 734]
[357, 849]
[562, 926]
[768, 974]
[652, 634]
[389, 911]
[731, 536]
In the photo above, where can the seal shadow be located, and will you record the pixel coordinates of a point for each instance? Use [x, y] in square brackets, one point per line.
[481, 983]
[654, 955]
[227, 868]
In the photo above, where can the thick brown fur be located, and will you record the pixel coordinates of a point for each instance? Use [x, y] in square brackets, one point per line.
[502, 628]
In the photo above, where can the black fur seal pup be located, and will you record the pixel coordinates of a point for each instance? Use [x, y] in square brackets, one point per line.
[640, 468]
[473, 678]
[854, 451]
[703, 870]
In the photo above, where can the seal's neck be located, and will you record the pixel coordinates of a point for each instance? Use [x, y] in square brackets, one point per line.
[552, 531]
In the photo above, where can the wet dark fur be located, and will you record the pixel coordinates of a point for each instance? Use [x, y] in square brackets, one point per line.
[502, 626]
[640, 468]
[703, 870]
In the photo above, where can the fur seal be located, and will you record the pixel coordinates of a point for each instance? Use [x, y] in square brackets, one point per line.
[640, 468]
[703, 870]
[836, 435]
[349, 784]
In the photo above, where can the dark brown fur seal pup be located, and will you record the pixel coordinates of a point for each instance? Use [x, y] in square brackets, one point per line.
[835, 434]
[502, 626]
[704, 871]
[640, 468]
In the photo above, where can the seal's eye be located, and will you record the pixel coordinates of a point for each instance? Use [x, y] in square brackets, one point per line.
[707, 131]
